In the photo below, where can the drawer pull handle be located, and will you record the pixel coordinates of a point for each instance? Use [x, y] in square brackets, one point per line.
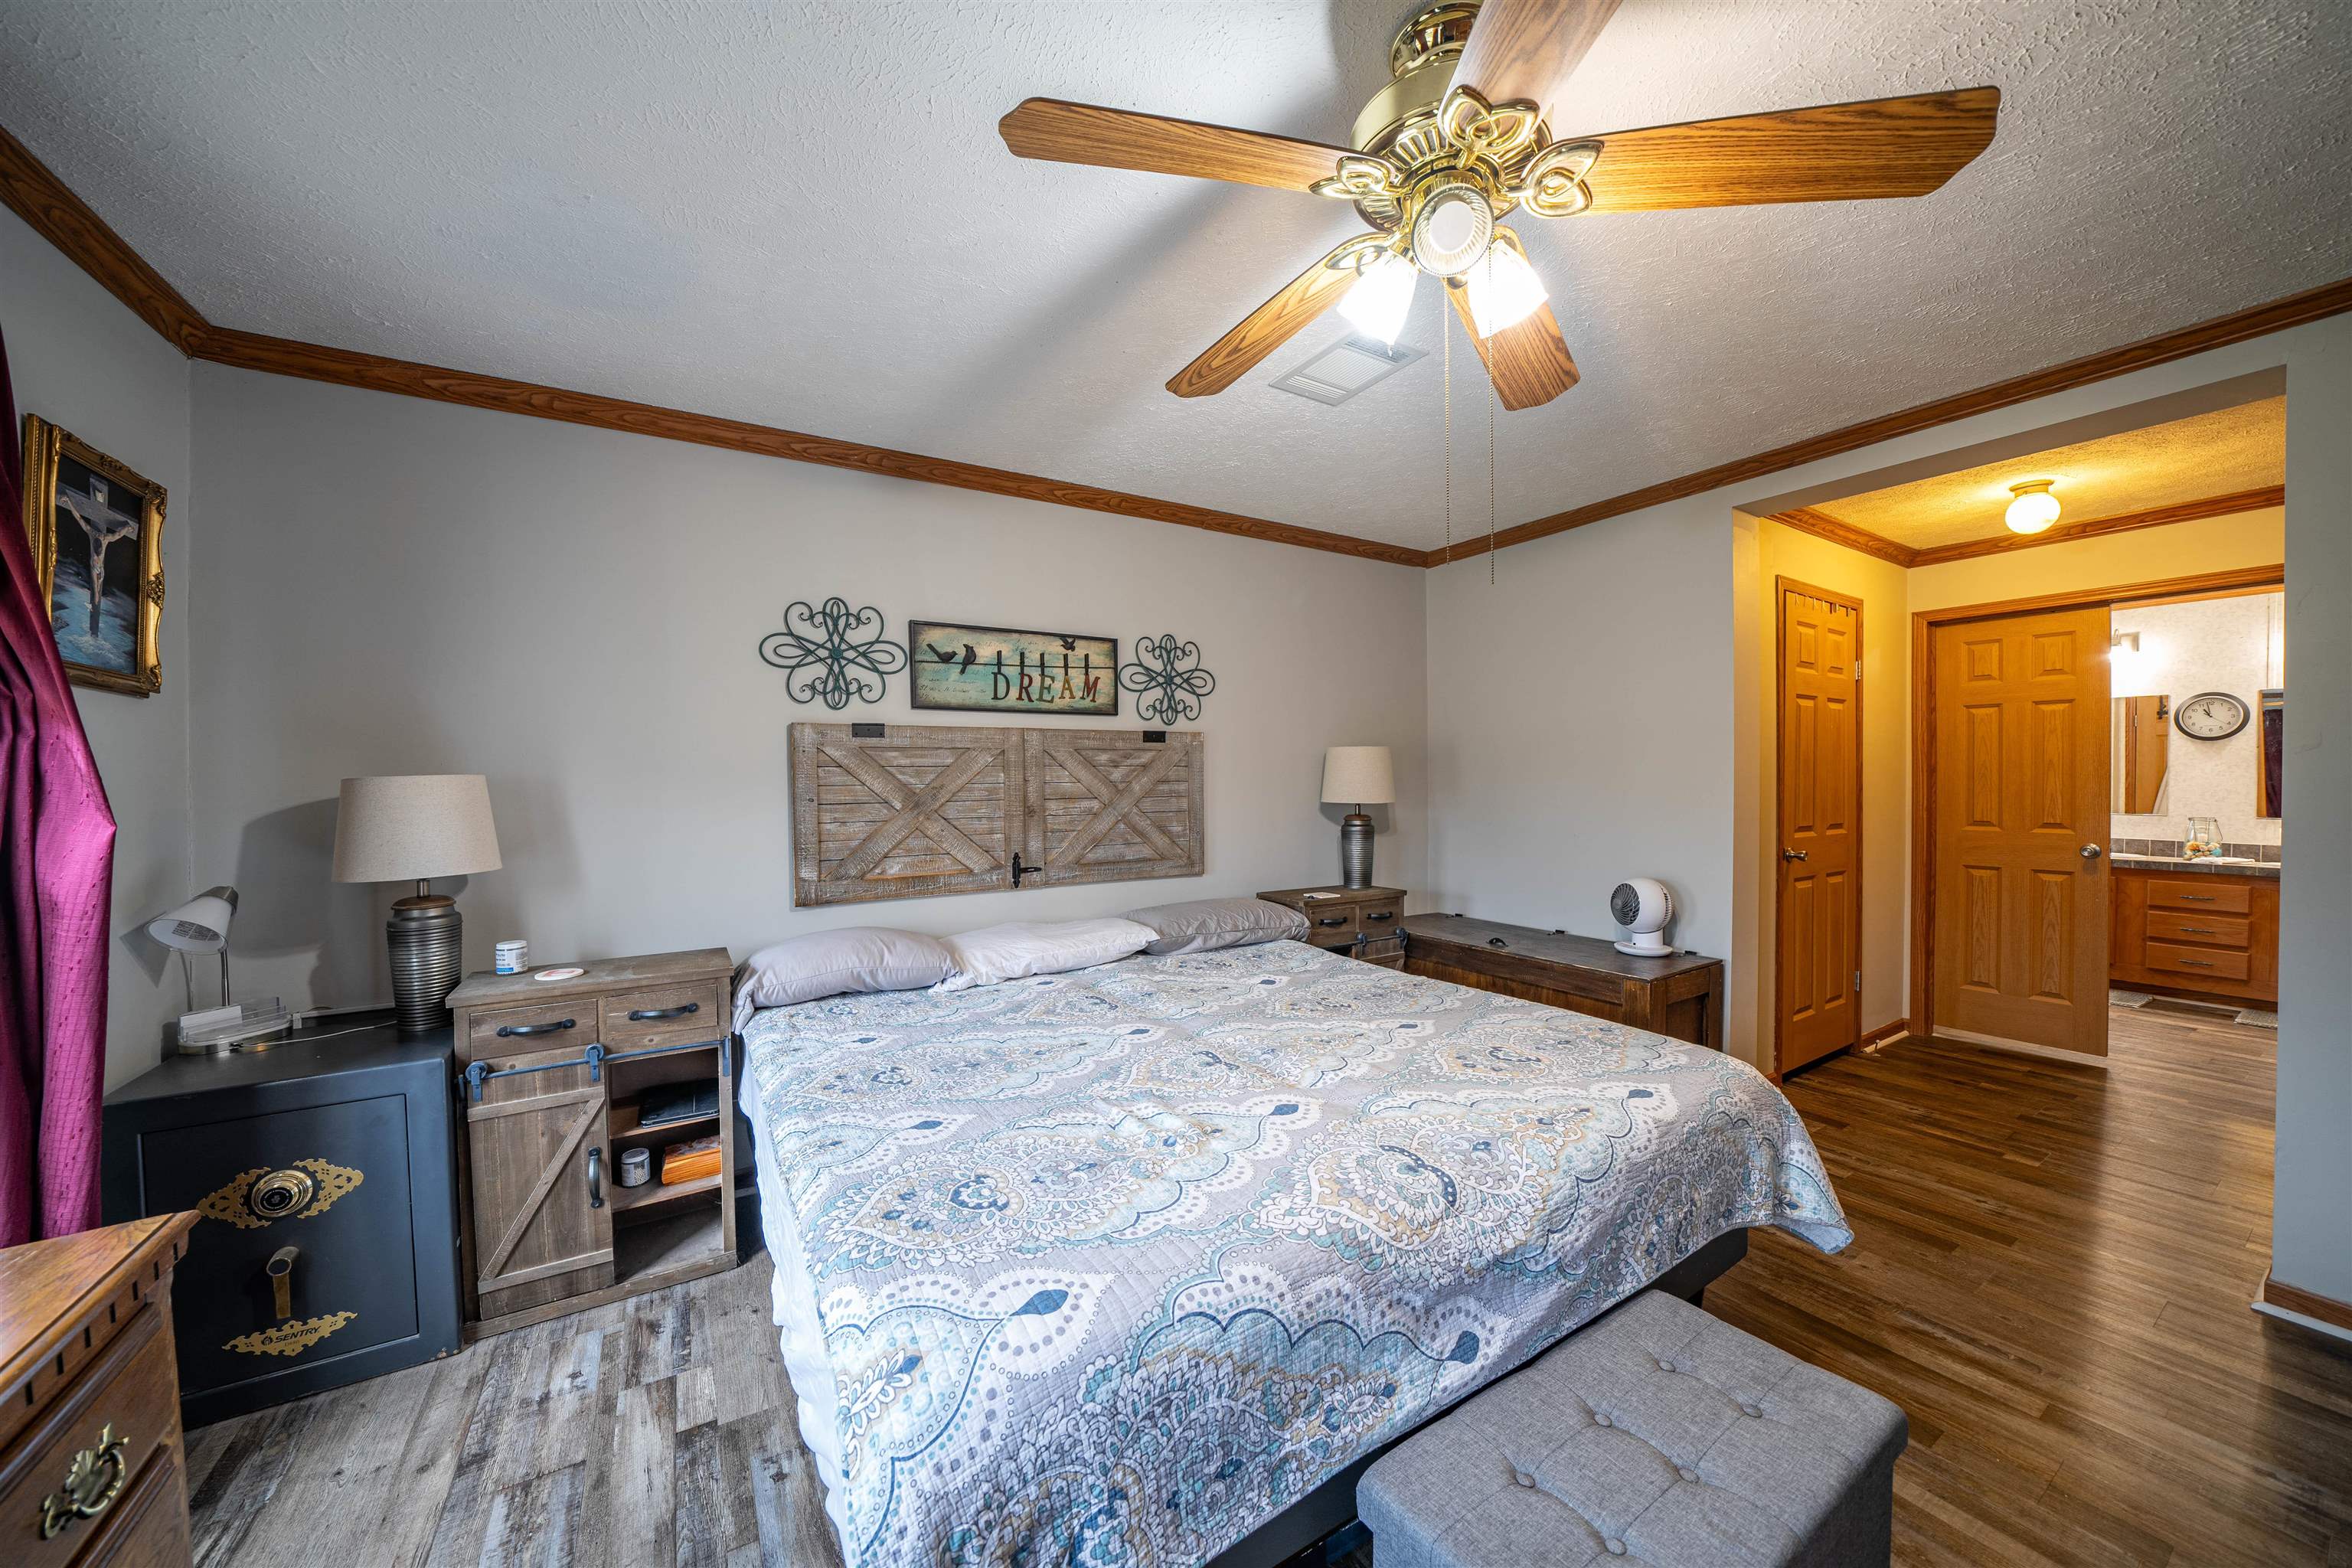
[2194, 963]
[2199, 931]
[2195, 897]
[1384, 915]
[1332, 920]
[595, 1178]
[509, 1031]
[648, 1015]
[93, 1481]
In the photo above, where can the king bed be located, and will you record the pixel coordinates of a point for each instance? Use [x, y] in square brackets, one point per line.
[1137, 1263]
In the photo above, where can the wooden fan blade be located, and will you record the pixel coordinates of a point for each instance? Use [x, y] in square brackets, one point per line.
[1528, 48]
[1838, 152]
[1529, 363]
[1062, 133]
[1265, 329]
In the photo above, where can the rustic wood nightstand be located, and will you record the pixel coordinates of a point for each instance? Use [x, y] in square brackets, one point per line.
[1363, 922]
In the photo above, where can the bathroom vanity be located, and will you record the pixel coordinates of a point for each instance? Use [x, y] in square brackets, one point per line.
[2195, 928]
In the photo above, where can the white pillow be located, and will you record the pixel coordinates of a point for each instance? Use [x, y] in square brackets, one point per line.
[1207, 925]
[994, 954]
[827, 963]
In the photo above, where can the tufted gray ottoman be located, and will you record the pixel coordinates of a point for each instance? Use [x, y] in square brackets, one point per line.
[1656, 1436]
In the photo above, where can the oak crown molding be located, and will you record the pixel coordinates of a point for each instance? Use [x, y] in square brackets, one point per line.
[1821, 525]
[67, 222]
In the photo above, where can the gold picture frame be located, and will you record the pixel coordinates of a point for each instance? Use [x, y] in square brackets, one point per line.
[109, 649]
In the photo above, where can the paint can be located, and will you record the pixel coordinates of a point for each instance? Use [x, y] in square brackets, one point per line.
[637, 1167]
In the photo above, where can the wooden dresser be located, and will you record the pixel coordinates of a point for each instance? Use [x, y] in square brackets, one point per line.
[92, 1469]
[1363, 922]
[2189, 929]
[1681, 996]
[553, 1078]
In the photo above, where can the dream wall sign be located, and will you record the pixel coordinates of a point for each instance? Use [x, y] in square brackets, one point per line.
[992, 669]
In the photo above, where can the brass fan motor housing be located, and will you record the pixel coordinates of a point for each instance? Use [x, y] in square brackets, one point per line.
[1421, 67]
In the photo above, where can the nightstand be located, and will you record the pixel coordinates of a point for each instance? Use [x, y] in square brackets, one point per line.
[322, 1168]
[1362, 923]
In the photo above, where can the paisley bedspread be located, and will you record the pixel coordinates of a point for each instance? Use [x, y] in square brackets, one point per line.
[1111, 1266]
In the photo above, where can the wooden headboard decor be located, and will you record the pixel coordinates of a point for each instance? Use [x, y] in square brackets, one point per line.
[913, 811]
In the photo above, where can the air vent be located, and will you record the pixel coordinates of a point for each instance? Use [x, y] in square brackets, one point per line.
[1345, 368]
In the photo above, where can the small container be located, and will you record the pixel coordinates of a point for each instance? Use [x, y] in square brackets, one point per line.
[637, 1167]
[513, 955]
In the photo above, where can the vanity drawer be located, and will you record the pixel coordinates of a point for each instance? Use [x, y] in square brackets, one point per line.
[665, 1016]
[1330, 924]
[2211, 963]
[128, 1398]
[544, 1025]
[2214, 930]
[2206, 894]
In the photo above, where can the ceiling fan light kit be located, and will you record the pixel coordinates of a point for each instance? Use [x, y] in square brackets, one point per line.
[1458, 140]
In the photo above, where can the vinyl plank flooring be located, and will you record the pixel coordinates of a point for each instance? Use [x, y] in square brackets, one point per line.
[2051, 1274]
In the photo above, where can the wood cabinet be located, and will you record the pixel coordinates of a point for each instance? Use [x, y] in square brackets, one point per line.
[2207, 933]
[92, 1468]
[1680, 996]
[1363, 922]
[556, 1078]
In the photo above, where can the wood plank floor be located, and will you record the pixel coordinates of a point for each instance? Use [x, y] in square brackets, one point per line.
[2051, 1275]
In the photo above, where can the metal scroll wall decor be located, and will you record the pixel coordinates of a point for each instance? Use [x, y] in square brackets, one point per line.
[1167, 680]
[833, 655]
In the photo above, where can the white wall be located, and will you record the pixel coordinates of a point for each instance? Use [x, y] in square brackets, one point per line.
[81, 360]
[2206, 645]
[404, 587]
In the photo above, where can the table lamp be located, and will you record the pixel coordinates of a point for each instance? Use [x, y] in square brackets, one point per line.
[200, 925]
[1357, 776]
[413, 827]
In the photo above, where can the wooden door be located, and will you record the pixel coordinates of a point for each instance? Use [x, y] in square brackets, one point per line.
[917, 810]
[543, 1227]
[1820, 849]
[2018, 917]
[1107, 806]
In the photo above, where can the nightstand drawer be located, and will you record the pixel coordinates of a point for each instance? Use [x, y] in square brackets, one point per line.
[119, 1414]
[546, 1026]
[2212, 930]
[2210, 963]
[663, 1016]
[1330, 924]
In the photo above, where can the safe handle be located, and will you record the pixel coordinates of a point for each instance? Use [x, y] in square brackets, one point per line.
[280, 1268]
[648, 1015]
[595, 1178]
[507, 1031]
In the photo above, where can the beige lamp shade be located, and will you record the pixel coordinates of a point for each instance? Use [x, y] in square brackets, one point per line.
[1357, 775]
[408, 828]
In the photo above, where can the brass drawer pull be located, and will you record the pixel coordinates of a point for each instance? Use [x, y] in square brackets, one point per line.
[1333, 921]
[511, 1030]
[648, 1015]
[93, 1481]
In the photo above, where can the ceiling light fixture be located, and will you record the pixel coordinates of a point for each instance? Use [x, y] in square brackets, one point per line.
[1381, 298]
[1503, 289]
[2034, 508]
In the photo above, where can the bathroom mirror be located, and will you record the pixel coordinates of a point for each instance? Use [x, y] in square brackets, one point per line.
[2142, 737]
[2270, 756]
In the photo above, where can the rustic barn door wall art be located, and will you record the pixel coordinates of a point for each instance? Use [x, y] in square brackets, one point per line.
[916, 811]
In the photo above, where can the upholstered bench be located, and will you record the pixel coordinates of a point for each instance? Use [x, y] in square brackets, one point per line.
[1656, 1436]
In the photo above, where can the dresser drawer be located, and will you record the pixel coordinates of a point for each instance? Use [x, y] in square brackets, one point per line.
[2211, 963]
[117, 1415]
[663, 1016]
[2210, 895]
[543, 1026]
[2213, 931]
[1330, 924]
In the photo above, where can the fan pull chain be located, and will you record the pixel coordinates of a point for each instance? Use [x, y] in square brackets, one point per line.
[1491, 395]
[1445, 330]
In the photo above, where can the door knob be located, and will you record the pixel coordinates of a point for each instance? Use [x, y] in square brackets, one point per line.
[1793, 853]
[281, 1279]
[2090, 852]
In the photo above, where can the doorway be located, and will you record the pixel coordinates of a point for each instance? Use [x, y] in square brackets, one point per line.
[1817, 920]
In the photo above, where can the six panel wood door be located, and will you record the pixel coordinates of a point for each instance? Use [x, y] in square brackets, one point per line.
[1819, 852]
[920, 810]
[2018, 912]
[541, 1227]
[1106, 805]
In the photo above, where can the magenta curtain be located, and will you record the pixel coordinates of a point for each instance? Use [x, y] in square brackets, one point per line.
[57, 861]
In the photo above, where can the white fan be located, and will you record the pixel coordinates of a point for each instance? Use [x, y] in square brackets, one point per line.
[1643, 907]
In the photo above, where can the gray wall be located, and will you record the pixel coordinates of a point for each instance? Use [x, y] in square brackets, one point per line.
[81, 360]
[402, 586]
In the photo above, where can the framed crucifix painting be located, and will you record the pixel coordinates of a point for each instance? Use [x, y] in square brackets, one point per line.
[97, 531]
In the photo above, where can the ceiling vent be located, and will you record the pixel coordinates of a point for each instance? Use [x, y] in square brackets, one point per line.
[1345, 368]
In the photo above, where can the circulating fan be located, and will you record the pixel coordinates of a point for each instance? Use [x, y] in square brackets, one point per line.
[1462, 136]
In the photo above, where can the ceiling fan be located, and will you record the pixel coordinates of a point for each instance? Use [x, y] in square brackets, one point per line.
[1459, 137]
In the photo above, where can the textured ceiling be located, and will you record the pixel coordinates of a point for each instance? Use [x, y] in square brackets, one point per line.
[802, 216]
[2221, 453]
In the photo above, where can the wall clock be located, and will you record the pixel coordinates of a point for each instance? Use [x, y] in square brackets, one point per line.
[2210, 716]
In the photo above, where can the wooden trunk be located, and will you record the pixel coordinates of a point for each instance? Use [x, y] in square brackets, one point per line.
[1679, 996]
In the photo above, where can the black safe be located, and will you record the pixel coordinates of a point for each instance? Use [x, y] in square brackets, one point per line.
[324, 1171]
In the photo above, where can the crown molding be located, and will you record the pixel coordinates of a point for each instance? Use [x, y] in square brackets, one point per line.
[67, 222]
[1821, 525]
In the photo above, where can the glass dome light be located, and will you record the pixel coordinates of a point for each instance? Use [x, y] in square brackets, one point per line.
[2034, 508]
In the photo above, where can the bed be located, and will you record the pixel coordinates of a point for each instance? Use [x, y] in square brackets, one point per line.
[1117, 1265]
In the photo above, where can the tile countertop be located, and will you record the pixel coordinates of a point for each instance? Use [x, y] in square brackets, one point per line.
[2264, 869]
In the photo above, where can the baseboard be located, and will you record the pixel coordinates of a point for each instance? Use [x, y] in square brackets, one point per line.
[1885, 1032]
[2049, 1053]
[2309, 1308]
